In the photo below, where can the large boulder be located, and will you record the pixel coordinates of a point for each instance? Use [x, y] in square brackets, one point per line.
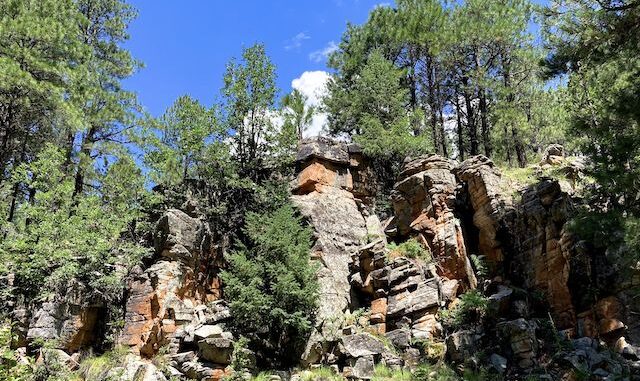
[482, 182]
[520, 334]
[218, 350]
[361, 345]
[69, 320]
[424, 199]
[167, 300]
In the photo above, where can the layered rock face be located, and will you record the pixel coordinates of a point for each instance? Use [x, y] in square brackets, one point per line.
[377, 305]
[404, 294]
[174, 303]
[424, 199]
[69, 320]
[325, 195]
[456, 210]
[163, 298]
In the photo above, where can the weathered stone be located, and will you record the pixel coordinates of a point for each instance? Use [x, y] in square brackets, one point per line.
[362, 344]
[207, 331]
[500, 301]
[69, 320]
[553, 155]
[216, 349]
[400, 338]
[325, 149]
[179, 237]
[521, 335]
[362, 367]
[407, 302]
[542, 248]
[378, 311]
[461, 345]
[449, 289]
[483, 185]
[426, 327]
[161, 307]
[424, 200]
[498, 362]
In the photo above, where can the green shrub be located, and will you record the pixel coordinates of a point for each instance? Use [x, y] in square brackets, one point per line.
[435, 372]
[10, 367]
[100, 368]
[471, 307]
[322, 373]
[272, 287]
[411, 249]
[384, 373]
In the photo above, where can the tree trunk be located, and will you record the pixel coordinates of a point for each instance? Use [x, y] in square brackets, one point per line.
[484, 123]
[433, 106]
[413, 91]
[85, 152]
[459, 126]
[520, 152]
[471, 122]
[443, 134]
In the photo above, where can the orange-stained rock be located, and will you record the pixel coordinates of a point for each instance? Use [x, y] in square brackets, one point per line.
[426, 327]
[377, 329]
[69, 320]
[424, 201]
[542, 249]
[607, 326]
[162, 298]
[609, 308]
[218, 374]
[483, 185]
[378, 311]
[318, 175]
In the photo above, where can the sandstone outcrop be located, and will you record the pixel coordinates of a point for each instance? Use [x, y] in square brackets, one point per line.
[481, 180]
[163, 298]
[543, 298]
[424, 199]
[324, 194]
[69, 320]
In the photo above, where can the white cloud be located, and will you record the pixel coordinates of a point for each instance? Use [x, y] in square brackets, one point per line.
[313, 84]
[322, 54]
[296, 41]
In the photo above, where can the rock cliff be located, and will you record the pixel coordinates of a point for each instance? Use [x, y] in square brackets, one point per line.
[545, 302]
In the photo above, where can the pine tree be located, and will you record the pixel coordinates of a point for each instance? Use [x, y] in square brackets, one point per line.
[272, 286]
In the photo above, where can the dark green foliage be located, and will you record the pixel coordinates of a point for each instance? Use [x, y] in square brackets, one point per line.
[468, 65]
[471, 309]
[55, 240]
[271, 285]
[595, 44]
[10, 367]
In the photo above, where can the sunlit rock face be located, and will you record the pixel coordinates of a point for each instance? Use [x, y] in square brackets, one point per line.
[424, 200]
[325, 193]
[166, 301]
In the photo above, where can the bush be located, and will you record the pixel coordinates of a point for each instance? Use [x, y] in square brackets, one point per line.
[384, 373]
[322, 373]
[471, 307]
[272, 287]
[100, 368]
[10, 368]
[411, 249]
[435, 372]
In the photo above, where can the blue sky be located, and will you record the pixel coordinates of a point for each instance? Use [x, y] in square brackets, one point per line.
[185, 44]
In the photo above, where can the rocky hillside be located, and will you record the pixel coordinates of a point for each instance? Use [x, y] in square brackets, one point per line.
[475, 273]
